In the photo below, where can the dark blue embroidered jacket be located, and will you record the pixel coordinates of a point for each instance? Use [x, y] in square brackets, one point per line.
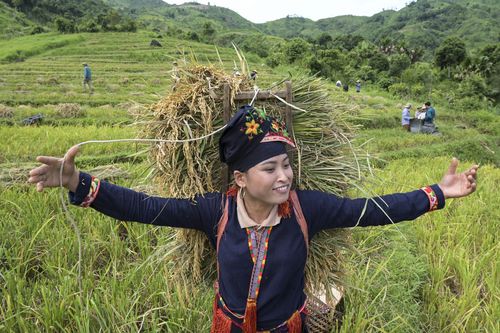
[281, 291]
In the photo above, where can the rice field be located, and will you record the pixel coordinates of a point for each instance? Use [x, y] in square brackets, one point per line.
[437, 274]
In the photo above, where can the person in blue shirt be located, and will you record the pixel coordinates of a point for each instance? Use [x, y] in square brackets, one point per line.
[430, 113]
[256, 225]
[87, 78]
[405, 117]
[358, 86]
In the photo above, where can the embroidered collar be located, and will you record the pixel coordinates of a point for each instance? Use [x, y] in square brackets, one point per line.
[246, 221]
[284, 209]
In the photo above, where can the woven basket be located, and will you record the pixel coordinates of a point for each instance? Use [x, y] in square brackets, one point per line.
[322, 317]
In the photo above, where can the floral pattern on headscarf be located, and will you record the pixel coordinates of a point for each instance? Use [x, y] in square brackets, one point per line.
[254, 119]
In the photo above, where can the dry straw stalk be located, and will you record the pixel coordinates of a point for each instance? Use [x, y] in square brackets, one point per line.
[325, 159]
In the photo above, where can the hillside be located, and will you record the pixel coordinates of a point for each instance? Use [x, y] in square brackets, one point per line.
[13, 23]
[44, 12]
[422, 23]
[190, 15]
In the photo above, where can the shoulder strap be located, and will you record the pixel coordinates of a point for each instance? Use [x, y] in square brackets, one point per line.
[221, 226]
[300, 217]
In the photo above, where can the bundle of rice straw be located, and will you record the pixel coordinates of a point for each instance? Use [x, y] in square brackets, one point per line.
[325, 159]
[6, 111]
[70, 110]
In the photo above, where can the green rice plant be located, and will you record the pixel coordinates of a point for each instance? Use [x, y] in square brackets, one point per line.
[25, 143]
[437, 274]
[23, 47]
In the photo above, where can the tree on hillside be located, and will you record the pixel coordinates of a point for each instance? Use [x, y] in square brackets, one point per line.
[64, 25]
[208, 30]
[347, 42]
[398, 63]
[296, 49]
[324, 40]
[379, 62]
[451, 52]
[487, 62]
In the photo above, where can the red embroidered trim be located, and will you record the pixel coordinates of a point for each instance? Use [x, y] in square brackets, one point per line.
[257, 239]
[276, 137]
[95, 184]
[433, 200]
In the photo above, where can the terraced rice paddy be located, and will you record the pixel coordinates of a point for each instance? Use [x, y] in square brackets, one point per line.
[438, 274]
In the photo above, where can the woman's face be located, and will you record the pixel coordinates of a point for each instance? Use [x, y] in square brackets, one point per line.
[269, 181]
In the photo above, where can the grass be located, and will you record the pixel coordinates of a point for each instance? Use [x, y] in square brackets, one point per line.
[437, 274]
[21, 48]
[442, 267]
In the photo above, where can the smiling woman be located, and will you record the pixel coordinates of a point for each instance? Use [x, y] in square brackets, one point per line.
[261, 227]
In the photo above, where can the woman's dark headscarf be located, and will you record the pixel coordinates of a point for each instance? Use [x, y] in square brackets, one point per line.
[252, 137]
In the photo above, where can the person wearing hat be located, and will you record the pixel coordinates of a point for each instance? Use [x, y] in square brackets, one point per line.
[253, 75]
[420, 113]
[87, 78]
[405, 117]
[261, 227]
[176, 77]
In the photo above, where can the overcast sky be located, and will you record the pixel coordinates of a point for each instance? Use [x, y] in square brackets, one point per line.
[259, 11]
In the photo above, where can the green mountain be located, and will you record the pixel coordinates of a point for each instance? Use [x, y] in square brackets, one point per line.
[45, 11]
[190, 15]
[423, 23]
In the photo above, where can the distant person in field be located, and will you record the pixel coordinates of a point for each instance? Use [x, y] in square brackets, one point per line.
[339, 83]
[420, 113]
[176, 77]
[429, 126]
[346, 87]
[430, 113]
[236, 72]
[358, 86]
[405, 117]
[261, 227]
[253, 75]
[87, 78]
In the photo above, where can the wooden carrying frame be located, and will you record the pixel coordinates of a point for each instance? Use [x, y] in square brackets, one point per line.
[248, 96]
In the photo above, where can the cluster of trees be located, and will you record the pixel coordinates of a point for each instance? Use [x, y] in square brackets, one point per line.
[72, 16]
[109, 21]
[465, 78]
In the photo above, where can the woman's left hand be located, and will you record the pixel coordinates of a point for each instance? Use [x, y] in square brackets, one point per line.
[459, 185]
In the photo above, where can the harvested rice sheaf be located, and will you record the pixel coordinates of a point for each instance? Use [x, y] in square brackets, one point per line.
[70, 110]
[6, 111]
[325, 159]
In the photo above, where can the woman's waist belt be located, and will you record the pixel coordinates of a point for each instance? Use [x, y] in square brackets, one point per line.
[237, 319]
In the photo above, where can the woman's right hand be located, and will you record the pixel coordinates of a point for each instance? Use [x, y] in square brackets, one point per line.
[47, 175]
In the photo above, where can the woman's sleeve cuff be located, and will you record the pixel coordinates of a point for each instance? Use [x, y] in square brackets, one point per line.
[435, 196]
[86, 192]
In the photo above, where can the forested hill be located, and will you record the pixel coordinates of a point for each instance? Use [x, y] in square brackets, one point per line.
[68, 16]
[190, 15]
[424, 23]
